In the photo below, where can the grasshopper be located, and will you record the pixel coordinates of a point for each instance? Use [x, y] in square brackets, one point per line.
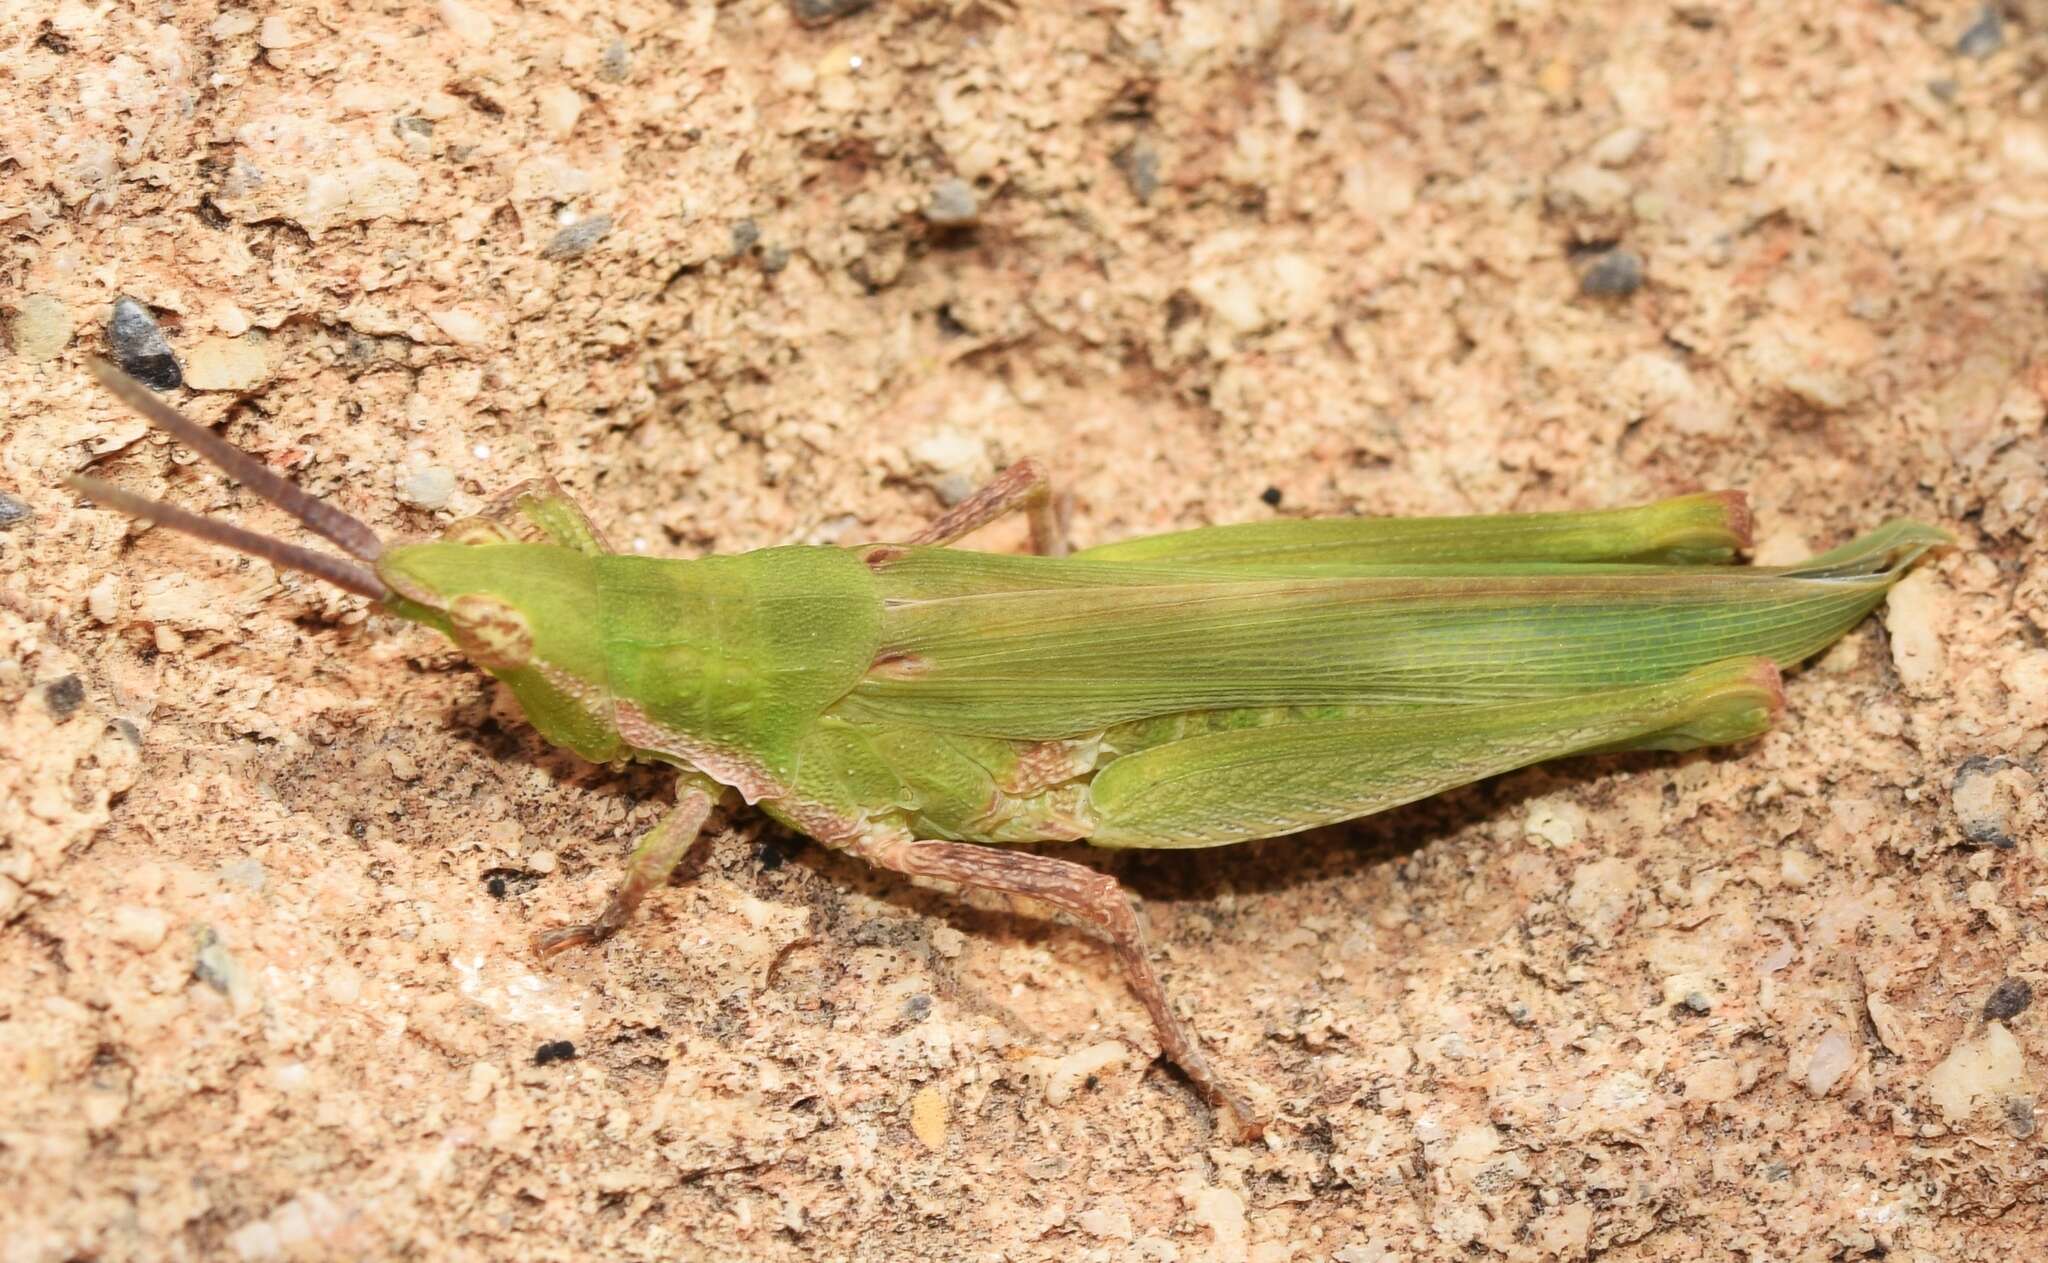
[929, 709]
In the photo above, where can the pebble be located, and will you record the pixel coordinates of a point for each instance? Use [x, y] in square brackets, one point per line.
[42, 328]
[2008, 999]
[2019, 1117]
[1832, 1059]
[143, 929]
[276, 32]
[1587, 190]
[616, 63]
[1556, 822]
[819, 12]
[1065, 1075]
[64, 696]
[952, 204]
[12, 512]
[1618, 148]
[553, 1051]
[226, 364]
[1984, 37]
[139, 346]
[928, 1117]
[1139, 162]
[1981, 809]
[949, 451]
[1913, 611]
[471, 26]
[429, 488]
[217, 968]
[560, 107]
[462, 325]
[104, 601]
[744, 234]
[1613, 274]
[577, 237]
[2026, 682]
[1988, 1066]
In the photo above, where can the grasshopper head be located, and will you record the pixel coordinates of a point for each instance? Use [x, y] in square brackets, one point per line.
[525, 612]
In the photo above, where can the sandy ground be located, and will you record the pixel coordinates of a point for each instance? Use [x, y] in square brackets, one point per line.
[268, 862]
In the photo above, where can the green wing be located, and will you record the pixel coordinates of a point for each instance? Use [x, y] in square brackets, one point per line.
[1232, 786]
[1034, 648]
[1707, 527]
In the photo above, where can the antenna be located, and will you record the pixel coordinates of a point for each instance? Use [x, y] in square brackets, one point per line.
[347, 532]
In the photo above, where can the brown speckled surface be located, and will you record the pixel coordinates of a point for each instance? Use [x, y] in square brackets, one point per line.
[257, 1000]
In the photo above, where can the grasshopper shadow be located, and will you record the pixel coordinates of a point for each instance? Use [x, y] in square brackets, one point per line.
[1191, 879]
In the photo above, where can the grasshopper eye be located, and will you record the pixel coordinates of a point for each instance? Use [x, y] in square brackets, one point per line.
[475, 530]
[492, 632]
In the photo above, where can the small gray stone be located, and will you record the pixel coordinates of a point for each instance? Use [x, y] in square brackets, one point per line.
[217, 967]
[1981, 810]
[744, 234]
[774, 259]
[952, 204]
[1139, 162]
[819, 12]
[577, 237]
[1984, 37]
[1614, 274]
[430, 488]
[12, 512]
[139, 346]
[2019, 1117]
[2008, 999]
[616, 63]
[64, 696]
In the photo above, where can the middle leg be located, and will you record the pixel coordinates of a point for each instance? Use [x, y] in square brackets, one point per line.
[674, 844]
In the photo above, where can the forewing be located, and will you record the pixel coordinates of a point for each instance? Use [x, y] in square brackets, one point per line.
[1081, 651]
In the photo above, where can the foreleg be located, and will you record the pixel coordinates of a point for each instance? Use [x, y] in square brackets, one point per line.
[676, 841]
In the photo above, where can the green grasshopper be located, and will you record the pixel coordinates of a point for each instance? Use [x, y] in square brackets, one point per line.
[928, 708]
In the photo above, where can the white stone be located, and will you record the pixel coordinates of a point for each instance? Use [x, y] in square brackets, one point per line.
[1980, 1071]
[141, 928]
[560, 107]
[471, 26]
[1831, 1061]
[1913, 614]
